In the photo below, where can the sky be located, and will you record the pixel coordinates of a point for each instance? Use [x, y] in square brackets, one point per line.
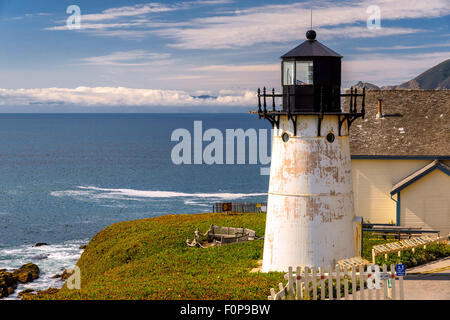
[171, 54]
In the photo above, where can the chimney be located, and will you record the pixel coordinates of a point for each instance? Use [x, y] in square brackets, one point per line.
[380, 109]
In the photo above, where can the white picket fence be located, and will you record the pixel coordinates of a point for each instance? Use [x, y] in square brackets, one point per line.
[305, 281]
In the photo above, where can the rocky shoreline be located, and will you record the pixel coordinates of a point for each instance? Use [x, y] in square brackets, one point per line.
[9, 280]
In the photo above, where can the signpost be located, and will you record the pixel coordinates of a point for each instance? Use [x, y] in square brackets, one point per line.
[400, 270]
[227, 207]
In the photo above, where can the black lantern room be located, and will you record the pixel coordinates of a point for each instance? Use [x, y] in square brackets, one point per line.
[311, 77]
[311, 82]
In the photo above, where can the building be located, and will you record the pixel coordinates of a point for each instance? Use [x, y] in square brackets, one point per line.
[310, 214]
[401, 159]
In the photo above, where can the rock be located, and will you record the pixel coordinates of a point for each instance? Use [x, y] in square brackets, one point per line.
[40, 244]
[66, 275]
[27, 273]
[48, 291]
[40, 256]
[8, 283]
[26, 291]
[82, 247]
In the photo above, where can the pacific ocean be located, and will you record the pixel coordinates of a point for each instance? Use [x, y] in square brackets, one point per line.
[64, 177]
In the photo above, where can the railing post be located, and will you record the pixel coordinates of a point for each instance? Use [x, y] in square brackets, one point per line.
[355, 101]
[265, 103]
[273, 99]
[351, 100]
[363, 104]
[259, 100]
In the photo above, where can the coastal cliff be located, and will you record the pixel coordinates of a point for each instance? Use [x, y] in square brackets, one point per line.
[149, 259]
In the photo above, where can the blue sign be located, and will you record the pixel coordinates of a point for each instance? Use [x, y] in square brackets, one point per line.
[400, 269]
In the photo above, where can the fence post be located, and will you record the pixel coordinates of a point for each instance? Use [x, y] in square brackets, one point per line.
[282, 289]
[322, 284]
[291, 284]
[345, 282]
[385, 284]
[330, 283]
[362, 290]
[306, 279]
[314, 283]
[354, 284]
[298, 284]
[393, 293]
[369, 291]
[338, 282]
[272, 294]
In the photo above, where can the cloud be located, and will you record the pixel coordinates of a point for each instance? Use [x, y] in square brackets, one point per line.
[388, 69]
[120, 97]
[422, 46]
[113, 18]
[133, 58]
[281, 23]
[259, 24]
[239, 68]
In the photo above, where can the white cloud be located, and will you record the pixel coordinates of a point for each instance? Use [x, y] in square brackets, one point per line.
[116, 18]
[281, 23]
[260, 24]
[119, 97]
[422, 46]
[132, 58]
[239, 68]
[388, 69]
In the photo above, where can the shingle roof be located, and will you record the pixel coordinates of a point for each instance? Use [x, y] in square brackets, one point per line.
[423, 129]
[311, 48]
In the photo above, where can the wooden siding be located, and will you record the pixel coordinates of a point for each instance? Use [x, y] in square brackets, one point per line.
[426, 203]
[372, 184]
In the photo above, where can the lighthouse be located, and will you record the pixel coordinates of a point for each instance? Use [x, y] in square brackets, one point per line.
[310, 200]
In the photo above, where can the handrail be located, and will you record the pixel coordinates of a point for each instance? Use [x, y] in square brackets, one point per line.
[353, 105]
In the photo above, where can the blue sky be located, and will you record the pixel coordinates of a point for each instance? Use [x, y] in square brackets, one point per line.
[141, 53]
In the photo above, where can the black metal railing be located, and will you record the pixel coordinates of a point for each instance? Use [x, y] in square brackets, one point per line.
[263, 108]
[273, 115]
[264, 95]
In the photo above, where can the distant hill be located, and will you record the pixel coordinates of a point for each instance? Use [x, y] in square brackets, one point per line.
[438, 77]
[367, 85]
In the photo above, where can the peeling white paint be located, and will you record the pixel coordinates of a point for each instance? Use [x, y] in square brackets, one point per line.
[310, 203]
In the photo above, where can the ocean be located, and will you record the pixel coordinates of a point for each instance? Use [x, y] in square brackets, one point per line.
[65, 177]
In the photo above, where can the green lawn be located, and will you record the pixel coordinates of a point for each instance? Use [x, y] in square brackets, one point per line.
[149, 259]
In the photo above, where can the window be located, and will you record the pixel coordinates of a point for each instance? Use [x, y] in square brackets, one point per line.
[288, 73]
[304, 74]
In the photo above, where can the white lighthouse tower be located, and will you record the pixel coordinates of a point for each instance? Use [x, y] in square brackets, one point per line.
[310, 204]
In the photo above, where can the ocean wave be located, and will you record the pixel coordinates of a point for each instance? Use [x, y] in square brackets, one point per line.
[95, 193]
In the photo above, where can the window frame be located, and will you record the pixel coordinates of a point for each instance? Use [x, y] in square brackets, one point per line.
[309, 62]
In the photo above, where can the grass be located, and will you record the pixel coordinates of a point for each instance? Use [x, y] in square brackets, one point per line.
[149, 259]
